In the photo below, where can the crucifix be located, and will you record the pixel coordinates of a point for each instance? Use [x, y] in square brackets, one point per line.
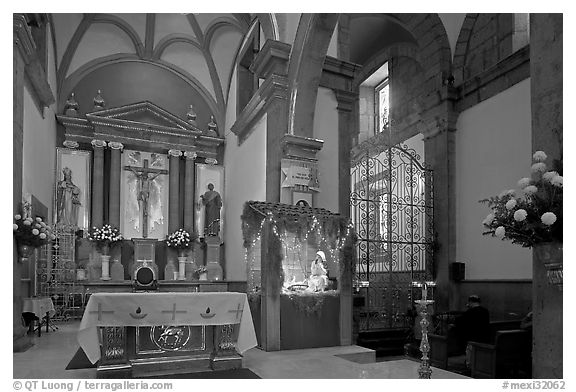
[144, 179]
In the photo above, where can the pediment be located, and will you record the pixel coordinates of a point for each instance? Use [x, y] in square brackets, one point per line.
[141, 115]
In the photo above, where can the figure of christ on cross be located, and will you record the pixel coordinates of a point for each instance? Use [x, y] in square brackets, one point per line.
[144, 177]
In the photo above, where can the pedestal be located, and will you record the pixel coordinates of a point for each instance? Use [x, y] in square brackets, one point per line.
[94, 270]
[117, 270]
[170, 271]
[182, 267]
[213, 267]
[105, 267]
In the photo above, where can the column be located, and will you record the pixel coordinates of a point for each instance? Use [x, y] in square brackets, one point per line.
[346, 101]
[189, 202]
[115, 175]
[174, 191]
[98, 183]
[546, 39]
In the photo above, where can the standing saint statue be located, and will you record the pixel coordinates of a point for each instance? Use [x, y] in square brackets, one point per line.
[68, 200]
[213, 203]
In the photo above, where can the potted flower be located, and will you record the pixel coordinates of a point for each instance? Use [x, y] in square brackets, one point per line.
[30, 233]
[105, 237]
[180, 240]
[532, 215]
[201, 273]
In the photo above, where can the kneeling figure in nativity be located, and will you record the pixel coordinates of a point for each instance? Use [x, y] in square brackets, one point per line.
[318, 280]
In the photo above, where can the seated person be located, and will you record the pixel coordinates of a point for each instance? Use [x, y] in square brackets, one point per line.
[318, 280]
[473, 325]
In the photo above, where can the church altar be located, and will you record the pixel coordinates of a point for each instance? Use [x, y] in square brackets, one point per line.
[189, 331]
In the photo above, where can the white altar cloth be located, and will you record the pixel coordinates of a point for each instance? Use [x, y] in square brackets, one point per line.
[39, 306]
[152, 309]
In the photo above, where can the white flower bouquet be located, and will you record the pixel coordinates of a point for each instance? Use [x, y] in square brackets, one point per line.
[105, 236]
[532, 214]
[180, 239]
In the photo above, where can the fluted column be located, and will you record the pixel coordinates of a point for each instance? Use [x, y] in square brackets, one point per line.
[189, 178]
[98, 183]
[174, 191]
[115, 175]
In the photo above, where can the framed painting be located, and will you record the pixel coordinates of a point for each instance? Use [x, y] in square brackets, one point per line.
[209, 199]
[72, 191]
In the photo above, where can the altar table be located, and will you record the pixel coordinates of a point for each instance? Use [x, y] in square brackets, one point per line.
[167, 309]
[41, 307]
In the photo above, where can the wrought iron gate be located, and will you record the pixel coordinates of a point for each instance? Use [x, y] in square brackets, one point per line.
[392, 209]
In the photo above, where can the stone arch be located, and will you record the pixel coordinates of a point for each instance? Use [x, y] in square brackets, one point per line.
[269, 25]
[171, 39]
[476, 50]
[71, 81]
[85, 24]
[404, 49]
[429, 32]
[305, 69]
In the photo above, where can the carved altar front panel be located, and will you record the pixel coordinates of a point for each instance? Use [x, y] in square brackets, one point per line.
[133, 191]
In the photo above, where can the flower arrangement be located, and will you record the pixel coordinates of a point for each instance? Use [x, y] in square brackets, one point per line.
[31, 232]
[199, 271]
[533, 214]
[105, 236]
[180, 239]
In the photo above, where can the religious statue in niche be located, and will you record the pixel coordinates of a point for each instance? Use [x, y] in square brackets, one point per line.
[68, 200]
[212, 202]
[144, 201]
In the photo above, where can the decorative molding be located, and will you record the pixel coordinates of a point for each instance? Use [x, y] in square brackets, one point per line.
[175, 153]
[190, 155]
[274, 89]
[211, 161]
[508, 72]
[178, 135]
[71, 144]
[300, 147]
[96, 143]
[116, 145]
[271, 60]
[36, 75]
[346, 100]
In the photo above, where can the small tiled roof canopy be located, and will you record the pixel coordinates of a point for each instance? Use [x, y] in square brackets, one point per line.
[280, 210]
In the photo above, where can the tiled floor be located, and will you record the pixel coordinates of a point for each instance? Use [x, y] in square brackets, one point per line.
[52, 352]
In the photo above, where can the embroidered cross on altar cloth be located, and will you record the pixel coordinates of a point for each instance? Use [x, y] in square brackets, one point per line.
[153, 309]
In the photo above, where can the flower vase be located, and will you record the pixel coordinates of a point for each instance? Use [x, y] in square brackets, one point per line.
[105, 267]
[182, 267]
[24, 252]
[550, 255]
[117, 270]
[170, 271]
[214, 270]
[203, 276]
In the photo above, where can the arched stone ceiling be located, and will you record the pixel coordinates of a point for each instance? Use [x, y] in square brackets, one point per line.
[371, 33]
[181, 40]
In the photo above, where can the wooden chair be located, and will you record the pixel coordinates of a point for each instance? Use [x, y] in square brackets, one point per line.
[508, 357]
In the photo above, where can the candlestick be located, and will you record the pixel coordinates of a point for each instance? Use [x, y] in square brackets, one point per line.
[424, 371]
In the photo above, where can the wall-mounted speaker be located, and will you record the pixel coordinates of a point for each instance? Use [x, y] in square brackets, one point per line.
[457, 271]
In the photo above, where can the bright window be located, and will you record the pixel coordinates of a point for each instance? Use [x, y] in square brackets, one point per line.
[382, 101]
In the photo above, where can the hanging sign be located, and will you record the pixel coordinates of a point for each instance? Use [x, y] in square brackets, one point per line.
[300, 173]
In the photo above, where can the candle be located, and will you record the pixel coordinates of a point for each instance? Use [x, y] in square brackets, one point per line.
[424, 291]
